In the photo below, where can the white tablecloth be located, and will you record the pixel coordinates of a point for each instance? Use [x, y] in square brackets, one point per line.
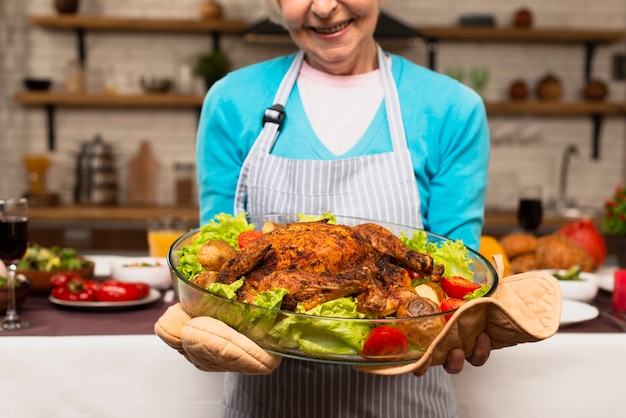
[569, 375]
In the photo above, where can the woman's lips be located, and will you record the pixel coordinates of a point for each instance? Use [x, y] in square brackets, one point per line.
[329, 30]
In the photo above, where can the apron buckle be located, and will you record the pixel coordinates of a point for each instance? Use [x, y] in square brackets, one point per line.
[274, 114]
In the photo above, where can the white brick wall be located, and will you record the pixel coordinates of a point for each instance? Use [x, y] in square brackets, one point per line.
[526, 150]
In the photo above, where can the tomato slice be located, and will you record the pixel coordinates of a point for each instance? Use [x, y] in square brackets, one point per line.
[450, 304]
[385, 341]
[457, 286]
[246, 237]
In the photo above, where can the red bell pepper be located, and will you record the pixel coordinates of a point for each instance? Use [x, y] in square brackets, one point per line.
[72, 287]
[457, 287]
[114, 291]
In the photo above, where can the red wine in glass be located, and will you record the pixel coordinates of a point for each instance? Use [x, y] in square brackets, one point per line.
[13, 244]
[14, 233]
[530, 214]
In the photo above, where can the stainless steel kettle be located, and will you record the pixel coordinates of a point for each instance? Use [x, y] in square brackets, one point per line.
[96, 177]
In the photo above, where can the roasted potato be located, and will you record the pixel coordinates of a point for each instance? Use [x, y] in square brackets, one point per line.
[214, 254]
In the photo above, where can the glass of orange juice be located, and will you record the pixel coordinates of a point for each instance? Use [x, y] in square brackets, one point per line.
[162, 232]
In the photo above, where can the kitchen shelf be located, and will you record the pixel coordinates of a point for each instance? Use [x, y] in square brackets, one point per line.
[178, 100]
[152, 100]
[590, 38]
[80, 24]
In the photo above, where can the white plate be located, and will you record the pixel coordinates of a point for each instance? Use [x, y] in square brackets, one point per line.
[583, 290]
[574, 312]
[605, 277]
[96, 306]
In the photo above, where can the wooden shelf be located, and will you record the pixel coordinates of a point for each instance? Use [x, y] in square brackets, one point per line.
[556, 108]
[178, 100]
[543, 35]
[163, 100]
[101, 23]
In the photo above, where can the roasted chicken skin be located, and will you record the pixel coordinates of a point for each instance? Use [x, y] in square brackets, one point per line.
[318, 262]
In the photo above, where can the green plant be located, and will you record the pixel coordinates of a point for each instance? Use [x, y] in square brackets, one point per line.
[615, 213]
[212, 66]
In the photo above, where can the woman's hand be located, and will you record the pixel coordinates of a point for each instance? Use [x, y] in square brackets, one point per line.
[456, 358]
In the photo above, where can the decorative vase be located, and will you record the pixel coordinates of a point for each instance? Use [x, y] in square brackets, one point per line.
[209, 10]
[66, 6]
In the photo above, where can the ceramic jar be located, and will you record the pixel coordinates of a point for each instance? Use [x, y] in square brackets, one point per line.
[66, 6]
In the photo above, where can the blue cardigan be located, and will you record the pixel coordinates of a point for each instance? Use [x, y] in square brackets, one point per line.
[444, 121]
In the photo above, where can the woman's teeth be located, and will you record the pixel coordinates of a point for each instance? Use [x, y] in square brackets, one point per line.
[332, 29]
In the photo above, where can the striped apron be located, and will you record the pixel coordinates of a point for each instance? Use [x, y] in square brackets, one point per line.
[381, 187]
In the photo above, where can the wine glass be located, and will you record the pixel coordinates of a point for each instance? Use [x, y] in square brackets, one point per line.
[13, 244]
[530, 209]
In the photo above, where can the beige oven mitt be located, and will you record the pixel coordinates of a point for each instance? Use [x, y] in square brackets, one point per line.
[525, 307]
[211, 345]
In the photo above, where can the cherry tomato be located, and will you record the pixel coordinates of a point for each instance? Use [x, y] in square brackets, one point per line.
[385, 341]
[246, 237]
[450, 304]
[457, 287]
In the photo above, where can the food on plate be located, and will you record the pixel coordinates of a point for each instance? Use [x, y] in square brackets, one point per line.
[51, 259]
[557, 251]
[323, 272]
[571, 274]
[553, 251]
[70, 286]
[524, 262]
[518, 243]
[586, 235]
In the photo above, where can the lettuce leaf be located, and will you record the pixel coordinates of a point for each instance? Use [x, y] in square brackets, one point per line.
[452, 254]
[222, 227]
[320, 336]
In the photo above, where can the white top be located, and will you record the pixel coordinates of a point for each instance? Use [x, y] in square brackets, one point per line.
[348, 102]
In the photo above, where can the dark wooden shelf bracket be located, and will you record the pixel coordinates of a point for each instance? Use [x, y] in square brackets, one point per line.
[51, 129]
[597, 131]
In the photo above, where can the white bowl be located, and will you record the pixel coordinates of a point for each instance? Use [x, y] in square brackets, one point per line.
[151, 270]
[584, 290]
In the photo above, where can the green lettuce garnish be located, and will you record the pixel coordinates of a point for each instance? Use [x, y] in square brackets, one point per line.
[332, 219]
[222, 227]
[324, 336]
[250, 320]
[452, 254]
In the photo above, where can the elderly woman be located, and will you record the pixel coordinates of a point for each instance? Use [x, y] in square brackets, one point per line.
[354, 131]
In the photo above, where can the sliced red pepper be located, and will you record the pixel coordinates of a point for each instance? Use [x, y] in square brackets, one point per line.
[385, 341]
[73, 288]
[450, 304]
[246, 237]
[457, 286]
[113, 291]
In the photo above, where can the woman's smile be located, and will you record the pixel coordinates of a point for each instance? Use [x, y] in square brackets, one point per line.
[329, 30]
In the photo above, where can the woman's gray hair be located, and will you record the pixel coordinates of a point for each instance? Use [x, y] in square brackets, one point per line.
[273, 11]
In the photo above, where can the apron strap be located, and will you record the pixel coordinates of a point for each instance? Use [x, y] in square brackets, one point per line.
[392, 103]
